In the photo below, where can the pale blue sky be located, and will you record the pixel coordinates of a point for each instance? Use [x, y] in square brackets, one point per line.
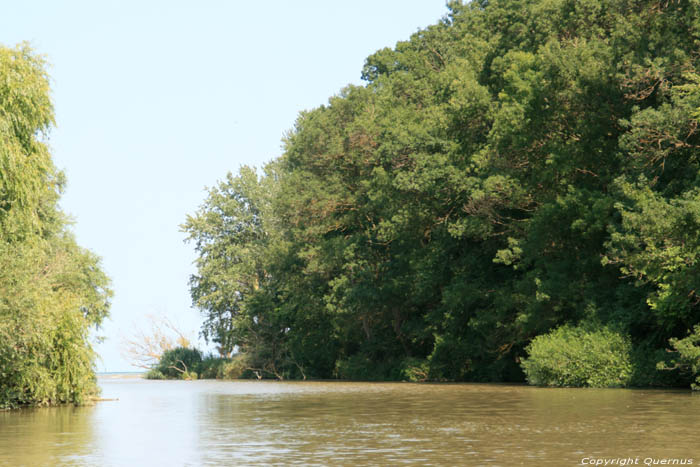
[157, 99]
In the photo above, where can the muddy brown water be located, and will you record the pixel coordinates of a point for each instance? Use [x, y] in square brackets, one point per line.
[338, 423]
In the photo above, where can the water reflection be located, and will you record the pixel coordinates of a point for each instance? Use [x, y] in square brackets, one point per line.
[322, 423]
[47, 436]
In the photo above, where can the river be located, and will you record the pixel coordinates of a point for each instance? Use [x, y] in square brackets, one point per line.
[339, 423]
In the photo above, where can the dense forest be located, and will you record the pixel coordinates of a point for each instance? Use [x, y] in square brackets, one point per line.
[52, 291]
[514, 193]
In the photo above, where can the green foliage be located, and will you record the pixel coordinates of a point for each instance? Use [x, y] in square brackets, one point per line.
[361, 368]
[230, 235]
[188, 364]
[658, 244]
[51, 290]
[648, 360]
[29, 182]
[235, 368]
[578, 356]
[687, 359]
[415, 370]
[154, 374]
[212, 367]
[515, 168]
[189, 375]
[180, 363]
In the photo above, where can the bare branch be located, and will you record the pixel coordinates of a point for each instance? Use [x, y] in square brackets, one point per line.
[144, 348]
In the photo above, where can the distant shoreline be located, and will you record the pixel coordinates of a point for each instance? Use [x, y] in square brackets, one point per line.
[120, 374]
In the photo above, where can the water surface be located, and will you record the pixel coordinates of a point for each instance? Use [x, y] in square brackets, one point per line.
[338, 423]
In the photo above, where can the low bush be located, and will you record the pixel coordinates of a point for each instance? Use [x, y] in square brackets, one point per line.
[579, 356]
[414, 369]
[154, 374]
[177, 362]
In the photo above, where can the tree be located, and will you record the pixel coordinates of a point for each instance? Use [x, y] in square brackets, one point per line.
[231, 236]
[51, 290]
[517, 168]
[145, 348]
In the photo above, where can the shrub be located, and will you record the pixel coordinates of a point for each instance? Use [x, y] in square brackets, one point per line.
[579, 356]
[154, 374]
[414, 369]
[175, 363]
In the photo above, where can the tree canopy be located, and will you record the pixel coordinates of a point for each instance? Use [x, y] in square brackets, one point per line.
[519, 167]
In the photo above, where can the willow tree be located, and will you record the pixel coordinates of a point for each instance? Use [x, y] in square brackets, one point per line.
[51, 290]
